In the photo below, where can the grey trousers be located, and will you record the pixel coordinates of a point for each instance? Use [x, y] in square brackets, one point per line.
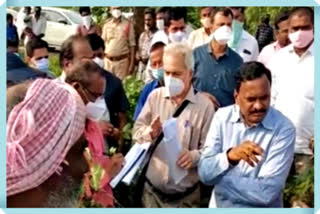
[150, 199]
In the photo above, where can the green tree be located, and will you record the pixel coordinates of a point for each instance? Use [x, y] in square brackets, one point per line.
[253, 16]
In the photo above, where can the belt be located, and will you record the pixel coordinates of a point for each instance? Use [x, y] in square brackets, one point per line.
[174, 196]
[117, 58]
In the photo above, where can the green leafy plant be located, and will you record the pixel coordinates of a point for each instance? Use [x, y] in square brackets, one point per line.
[132, 87]
[300, 187]
[54, 64]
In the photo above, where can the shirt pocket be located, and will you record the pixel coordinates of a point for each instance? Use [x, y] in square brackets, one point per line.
[110, 32]
[227, 79]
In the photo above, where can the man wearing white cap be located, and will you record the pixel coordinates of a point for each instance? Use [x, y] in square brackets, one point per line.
[155, 69]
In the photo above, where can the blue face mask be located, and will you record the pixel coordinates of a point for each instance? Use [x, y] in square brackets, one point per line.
[43, 65]
[158, 73]
[237, 28]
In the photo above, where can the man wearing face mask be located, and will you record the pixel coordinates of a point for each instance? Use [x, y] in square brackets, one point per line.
[201, 36]
[145, 41]
[174, 26]
[118, 34]
[281, 26]
[157, 72]
[38, 56]
[241, 41]
[216, 65]
[160, 14]
[192, 124]
[293, 76]
[88, 26]
[39, 23]
[112, 121]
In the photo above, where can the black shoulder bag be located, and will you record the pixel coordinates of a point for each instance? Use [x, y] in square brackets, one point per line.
[131, 196]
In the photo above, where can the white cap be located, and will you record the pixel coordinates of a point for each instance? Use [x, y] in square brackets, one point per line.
[159, 36]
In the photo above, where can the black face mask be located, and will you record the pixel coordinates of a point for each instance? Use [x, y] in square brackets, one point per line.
[38, 13]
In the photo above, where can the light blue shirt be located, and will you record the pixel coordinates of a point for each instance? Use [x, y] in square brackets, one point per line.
[242, 185]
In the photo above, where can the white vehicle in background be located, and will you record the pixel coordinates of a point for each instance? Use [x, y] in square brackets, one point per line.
[61, 24]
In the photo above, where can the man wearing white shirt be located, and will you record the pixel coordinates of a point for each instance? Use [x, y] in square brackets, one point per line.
[24, 20]
[293, 76]
[242, 42]
[39, 23]
[281, 26]
[201, 36]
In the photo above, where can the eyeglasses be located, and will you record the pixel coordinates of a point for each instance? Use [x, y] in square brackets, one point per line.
[92, 94]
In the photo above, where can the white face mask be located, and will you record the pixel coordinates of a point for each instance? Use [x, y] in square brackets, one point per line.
[99, 62]
[222, 35]
[174, 86]
[116, 13]
[177, 36]
[86, 21]
[160, 24]
[42, 64]
[206, 22]
[96, 110]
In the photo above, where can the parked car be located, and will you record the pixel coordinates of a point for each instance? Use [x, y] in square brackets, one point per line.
[61, 23]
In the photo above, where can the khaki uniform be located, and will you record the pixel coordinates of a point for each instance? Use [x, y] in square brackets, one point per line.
[119, 38]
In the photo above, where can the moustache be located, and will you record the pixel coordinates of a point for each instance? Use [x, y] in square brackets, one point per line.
[259, 111]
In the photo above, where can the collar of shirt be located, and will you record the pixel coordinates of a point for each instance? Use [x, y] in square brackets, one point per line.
[62, 77]
[245, 35]
[191, 96]
[115, 21]
[309, 51]
[276, 46]
[155, 84]
[203, 31]
[149, 34]
[226, 53]
[267, 122]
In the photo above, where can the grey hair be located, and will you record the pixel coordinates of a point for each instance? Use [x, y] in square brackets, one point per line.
[180, 48]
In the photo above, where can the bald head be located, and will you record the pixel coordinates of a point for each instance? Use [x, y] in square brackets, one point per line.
[73, 50]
